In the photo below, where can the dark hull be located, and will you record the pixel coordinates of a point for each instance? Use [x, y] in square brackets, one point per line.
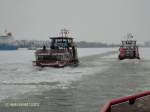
[128, 57]
[58, 64]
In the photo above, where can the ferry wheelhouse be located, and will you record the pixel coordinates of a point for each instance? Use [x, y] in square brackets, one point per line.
[129, 49]
[62, 52]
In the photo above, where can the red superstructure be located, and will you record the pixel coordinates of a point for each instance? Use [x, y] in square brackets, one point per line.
[62, 52]
[128, 49]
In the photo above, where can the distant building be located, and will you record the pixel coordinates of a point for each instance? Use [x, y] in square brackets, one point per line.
[147, 44]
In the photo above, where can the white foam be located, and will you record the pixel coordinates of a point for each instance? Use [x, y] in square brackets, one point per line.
[18, 76]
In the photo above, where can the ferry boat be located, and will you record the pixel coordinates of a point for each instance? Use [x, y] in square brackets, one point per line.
[62, 52]
[129, 49]
[7, 42]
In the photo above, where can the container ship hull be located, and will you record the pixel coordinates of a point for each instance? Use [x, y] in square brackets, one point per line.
[8, 47]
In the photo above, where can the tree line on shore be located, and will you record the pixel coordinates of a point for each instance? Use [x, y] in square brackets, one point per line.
[80, 44]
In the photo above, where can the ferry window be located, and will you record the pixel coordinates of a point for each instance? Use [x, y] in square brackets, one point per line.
[39, 57]
[50, 58]
[59, 57]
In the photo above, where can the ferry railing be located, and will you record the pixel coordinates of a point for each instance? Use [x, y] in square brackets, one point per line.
[130, 98]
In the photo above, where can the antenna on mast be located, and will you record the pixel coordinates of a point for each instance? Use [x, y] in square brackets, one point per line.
[64, 32]
[129, 36]
[5, 31]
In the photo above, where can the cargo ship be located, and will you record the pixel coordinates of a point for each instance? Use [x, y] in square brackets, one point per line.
[62, 52]
[7, 42]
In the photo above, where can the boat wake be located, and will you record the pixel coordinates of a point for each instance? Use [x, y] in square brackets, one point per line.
[18, 77]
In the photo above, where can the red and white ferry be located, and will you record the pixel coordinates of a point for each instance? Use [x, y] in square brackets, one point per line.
[62, 52]
[129, 49]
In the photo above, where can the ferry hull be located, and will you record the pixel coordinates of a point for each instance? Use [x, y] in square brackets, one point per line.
[55, 64]
[128, 57]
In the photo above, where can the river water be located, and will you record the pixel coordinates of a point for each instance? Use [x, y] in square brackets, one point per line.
[99, 78]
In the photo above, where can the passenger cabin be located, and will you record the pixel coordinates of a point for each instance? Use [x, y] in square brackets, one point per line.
[62, 52]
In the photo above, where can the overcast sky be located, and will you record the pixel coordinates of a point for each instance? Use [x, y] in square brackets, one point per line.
[89, 20]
